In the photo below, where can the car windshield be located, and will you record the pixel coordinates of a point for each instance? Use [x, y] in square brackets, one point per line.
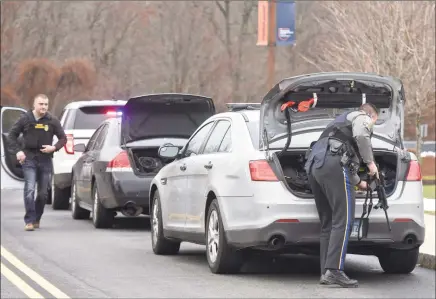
[89, 118]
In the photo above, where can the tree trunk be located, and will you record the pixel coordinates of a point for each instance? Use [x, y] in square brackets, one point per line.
[418, 135]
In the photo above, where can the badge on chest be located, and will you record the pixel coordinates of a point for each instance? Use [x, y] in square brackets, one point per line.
[41, 127]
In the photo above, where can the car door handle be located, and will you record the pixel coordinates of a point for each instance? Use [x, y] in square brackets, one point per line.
[208, 166]
[183, 167]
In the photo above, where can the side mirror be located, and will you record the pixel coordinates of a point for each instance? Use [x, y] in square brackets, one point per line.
[168, 151]
[80, 147]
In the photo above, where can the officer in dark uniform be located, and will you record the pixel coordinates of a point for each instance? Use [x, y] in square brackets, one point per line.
[332, 170]
[38, 127]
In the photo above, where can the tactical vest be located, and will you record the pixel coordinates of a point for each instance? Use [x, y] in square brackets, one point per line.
[342, 129]
[37, 133]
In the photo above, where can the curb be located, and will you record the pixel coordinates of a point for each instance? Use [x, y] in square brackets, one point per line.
[426, 261]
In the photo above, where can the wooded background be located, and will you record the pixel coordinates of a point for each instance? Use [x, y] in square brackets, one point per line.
[101, 50]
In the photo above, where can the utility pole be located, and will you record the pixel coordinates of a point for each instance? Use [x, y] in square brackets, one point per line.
[271, 42]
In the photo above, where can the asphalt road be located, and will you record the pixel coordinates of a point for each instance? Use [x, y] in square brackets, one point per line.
[84, 262]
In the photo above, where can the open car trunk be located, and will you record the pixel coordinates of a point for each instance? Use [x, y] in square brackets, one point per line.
[150, 121]
[301, 105]
[146, 161]
[295, 177]
[324, 96]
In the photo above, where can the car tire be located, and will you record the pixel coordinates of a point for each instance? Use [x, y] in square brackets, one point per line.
[101, 217]
[221, 257]
[160, 244]
[399, 261]
[60, 198]
[77, 212]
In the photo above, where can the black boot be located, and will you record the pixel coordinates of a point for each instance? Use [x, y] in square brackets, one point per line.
[340, 278]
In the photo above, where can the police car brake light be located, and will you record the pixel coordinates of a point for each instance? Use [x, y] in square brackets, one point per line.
[414, 173]
[119, 163]
[261, 171]
[69, 146]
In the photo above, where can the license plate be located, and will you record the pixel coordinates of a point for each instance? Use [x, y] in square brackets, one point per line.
[355, 229]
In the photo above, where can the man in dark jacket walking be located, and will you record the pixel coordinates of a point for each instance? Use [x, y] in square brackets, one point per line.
[38, 127]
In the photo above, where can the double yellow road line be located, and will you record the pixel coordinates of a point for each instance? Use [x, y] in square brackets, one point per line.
[21, 284]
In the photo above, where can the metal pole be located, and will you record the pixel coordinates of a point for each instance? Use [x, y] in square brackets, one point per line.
[271, 43]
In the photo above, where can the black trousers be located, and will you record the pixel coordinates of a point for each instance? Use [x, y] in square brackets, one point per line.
[335, 202]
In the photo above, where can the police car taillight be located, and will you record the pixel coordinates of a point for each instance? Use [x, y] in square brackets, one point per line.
[69, 146]
[119, 163]
[414, 173]
[261, 171]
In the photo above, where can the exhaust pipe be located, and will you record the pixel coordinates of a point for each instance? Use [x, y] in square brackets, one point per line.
[410, 239]
[276, 241]
[130, 209]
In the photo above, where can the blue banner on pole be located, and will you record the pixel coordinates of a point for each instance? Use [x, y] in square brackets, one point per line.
[285, 23]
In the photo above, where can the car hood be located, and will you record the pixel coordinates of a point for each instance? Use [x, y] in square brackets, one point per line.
[334, 96]
[164, 115]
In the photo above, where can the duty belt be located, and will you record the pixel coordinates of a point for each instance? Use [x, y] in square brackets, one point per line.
[346, 156]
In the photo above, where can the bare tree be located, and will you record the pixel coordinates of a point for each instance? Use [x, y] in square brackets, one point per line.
[40, 75]
[77, 78]
[9, 97]
[209, 47]
[115, 45]
[10, 14]
[181, 48]
[388, 38]
[235, 20]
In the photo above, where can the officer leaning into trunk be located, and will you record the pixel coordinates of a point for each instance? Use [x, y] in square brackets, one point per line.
[38, 127]
[332, 167]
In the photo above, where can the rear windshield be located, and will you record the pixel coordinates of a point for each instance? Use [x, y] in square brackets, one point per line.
[89, 118]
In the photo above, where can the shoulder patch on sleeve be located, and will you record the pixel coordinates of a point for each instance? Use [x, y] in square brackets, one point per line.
[367, 122]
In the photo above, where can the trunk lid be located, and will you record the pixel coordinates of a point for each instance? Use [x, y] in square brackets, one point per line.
[335, 93]
[164, 116]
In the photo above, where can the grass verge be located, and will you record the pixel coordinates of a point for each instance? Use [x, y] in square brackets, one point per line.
[429, 191]
[430, 213]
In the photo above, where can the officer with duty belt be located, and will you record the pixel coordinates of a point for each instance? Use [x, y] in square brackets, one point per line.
[332, 167]
[38, 127]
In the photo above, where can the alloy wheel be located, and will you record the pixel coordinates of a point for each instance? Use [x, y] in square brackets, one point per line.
[73, 197]
[95, 209]
[155, 222]
[213, 236]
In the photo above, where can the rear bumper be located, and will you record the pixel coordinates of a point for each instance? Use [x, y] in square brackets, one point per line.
[125, 187]
[62, 168]
[252, 221]
[62, 180]
[307, 234]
